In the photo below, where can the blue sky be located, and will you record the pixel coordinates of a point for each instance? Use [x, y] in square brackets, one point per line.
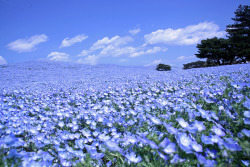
[131, 32]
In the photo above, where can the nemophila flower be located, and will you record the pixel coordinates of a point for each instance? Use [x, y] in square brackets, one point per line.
[113, 146]
[163, 156]
[164, 143]
[247, 103]
[211, 153]
[170, 148]
[182, 122]
[214, 116]
[218, 131]
[206, 139]
[199, 125]
[245, 162]
[132, 157]
[185, 142]
[108, 164]
[176, 159]
[155, 120]
[65, 162]
[247, 114]
[231, 145]
[247, 121]
[196, 147]
[216, 139]
[202, 160]
[152, 144]
[130, 139]
[246, 132]
[170, 129]
[221, 108]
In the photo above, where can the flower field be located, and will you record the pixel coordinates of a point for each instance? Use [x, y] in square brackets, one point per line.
[59, 114]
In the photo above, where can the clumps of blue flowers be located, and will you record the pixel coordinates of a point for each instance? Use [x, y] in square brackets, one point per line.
[199, 117]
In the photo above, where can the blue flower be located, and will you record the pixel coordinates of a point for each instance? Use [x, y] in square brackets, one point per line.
[218, 131]
[211, 153]
[163, 156]
[170, 129]
[170, 148]
[96, 155]
[246, 132]
[197, 147]
[245, 162]
[247, 114]
[185, 142]
[247, 121]
[216, 139]
[202, 160]
[132, 157]
[176, 159]
[155, 120]
[231, 145]
[206, 139]
[113, 146]
[182, 122]
[108, 164]
[247, 103]
[164, 143]
[199, 125]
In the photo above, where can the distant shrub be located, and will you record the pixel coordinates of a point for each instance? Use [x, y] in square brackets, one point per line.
[163, 67]
[196, 64]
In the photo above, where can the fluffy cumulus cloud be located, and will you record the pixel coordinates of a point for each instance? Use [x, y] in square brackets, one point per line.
[58, 56]
[135, 31]
[155, 62]
[91, 59]
[115, 47]
[2, 60]
[148, 51]
[27, 44]
[70, 41]
[185, 36]
[181, 58]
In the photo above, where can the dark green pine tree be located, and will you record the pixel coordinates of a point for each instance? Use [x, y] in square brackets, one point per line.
[239, 34]
[216, 50]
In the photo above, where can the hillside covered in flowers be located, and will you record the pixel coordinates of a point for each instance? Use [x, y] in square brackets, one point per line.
[62, 114]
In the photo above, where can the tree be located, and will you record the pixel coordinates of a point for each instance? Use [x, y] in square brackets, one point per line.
[215, 49]
[196, 64]
[239, 33]
[163, 67]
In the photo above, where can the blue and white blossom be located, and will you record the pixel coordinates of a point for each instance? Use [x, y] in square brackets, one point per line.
[67, 114]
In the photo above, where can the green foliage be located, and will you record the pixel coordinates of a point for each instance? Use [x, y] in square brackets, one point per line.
[197, 64]
[239, 33]
[235, 49]
[217, 50]
[163, 67]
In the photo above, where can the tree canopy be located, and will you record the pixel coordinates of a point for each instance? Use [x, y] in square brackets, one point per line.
[234, 49]
[239, 33]
[163, 67]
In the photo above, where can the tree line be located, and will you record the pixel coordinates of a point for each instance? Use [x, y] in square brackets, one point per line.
[225, 51]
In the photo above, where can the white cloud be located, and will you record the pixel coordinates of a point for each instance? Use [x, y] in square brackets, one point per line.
[185, 36]
[2, 60]
[135, 31]
[110, 46]
[156, 62]
[181, 58]
[115, 42]
[149, 51]
[58, 56]
[27, 44]
[70, 41]
[91, 59]
[115, 47]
